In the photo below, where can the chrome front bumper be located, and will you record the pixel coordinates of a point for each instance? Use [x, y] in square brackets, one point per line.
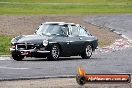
[31, 50]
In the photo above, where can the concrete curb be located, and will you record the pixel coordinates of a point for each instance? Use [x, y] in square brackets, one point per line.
[36, 78]
[112, 30]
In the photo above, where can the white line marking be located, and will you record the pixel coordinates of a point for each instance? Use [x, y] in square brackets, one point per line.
[129, 40]
[119, 44]
[5, 58]
[2, 67]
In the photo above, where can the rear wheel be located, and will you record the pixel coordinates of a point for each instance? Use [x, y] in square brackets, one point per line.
[54, 53]
[87, 53]
[16, 56]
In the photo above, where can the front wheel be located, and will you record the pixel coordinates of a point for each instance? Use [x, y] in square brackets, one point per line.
[87, 53]
[54, 53]
[16, 56]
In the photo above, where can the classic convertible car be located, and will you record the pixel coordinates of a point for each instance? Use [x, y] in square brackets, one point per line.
[53, 40]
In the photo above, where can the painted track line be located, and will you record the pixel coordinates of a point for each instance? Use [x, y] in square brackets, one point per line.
[13, 68]
[5, 58]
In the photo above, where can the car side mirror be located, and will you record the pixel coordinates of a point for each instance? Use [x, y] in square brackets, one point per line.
[35, 32]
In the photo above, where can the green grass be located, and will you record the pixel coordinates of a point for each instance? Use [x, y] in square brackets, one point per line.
[70, 1]
[29, 7]
[4, 44]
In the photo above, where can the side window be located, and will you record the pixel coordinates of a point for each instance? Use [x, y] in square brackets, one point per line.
[83, 32]
[65, 29]
[74, 30]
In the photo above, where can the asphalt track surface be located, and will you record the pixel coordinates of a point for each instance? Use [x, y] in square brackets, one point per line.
[111, 62]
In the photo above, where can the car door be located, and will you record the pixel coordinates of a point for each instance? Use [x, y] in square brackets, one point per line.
[76, 42]
[70, 43]
[85, 37]
[65, 42]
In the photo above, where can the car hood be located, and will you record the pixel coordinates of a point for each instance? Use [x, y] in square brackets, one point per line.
[35, 39]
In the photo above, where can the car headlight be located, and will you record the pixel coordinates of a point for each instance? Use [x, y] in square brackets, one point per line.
[45, 42]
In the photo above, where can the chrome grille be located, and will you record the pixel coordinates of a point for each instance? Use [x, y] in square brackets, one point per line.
[25, 46]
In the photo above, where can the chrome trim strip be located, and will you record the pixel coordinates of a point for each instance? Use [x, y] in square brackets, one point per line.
[24, 44]
[89, 40]
[43, 51]
[52, 42]
[31, 50]
[69, 41]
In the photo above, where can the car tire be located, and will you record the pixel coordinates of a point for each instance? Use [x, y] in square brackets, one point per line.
[87, 53]
[17, 56]
[54, 53]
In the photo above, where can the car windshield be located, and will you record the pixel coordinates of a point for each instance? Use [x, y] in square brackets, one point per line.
[83, 32]
[50, 29]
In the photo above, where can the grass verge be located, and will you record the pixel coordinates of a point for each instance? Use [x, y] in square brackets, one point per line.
[4, 44]
[43, 8]
[69, 1]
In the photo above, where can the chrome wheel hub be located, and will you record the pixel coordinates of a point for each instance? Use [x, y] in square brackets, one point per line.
[55, 52]
[89, 51]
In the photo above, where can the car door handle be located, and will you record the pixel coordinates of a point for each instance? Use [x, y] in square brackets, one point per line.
[80, 38]
[68, 42]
